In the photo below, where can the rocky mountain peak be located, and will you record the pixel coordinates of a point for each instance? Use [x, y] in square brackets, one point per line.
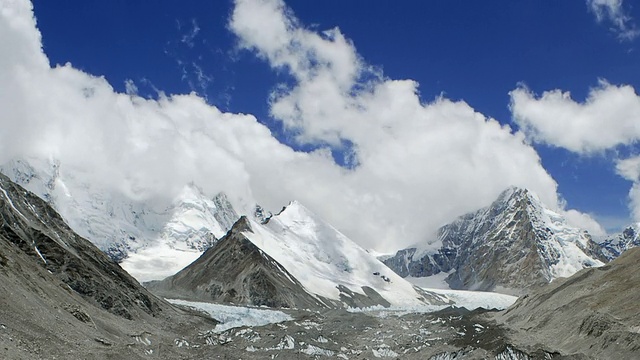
[243, 224]
[514, 243]
[226, 214]
[514, 199]
[261, 214]
[614, 245]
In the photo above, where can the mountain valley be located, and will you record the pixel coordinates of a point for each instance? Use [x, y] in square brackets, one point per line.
[64, 298]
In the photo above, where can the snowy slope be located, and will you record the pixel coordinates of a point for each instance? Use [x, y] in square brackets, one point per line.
[235, 316]
[323, 259]
[565, 249]
[195, 224]
[514, 243]
[154, 239]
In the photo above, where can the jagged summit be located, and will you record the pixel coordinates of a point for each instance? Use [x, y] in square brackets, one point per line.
[614, 245]
[513, 244]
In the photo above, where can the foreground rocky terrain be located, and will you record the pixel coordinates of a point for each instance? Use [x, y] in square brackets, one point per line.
[595, 312]
[446, 334]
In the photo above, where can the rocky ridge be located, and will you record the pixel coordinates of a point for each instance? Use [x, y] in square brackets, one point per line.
[511, 245]
[613, 246]
[61, 297]
[594, 312]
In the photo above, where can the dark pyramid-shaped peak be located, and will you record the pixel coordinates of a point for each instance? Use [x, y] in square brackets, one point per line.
[236, 271]
[243, 224]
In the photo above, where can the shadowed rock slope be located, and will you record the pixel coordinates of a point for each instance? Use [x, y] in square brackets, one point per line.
[61, 297]
[30, 228]
[236, 271]
[596, 312]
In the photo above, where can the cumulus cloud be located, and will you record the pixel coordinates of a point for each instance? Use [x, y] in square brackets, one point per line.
[418, 164]
[612, 12]
[584, 221]
[610, 116]
[426, 162]
[607, 119]
[630, 169]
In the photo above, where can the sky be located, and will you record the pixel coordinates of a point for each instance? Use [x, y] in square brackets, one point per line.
[387, 119]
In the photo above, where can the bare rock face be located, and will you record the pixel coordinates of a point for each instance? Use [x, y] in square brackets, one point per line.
[31, 230]
[236, 271]
[512, 245]
[594, 312]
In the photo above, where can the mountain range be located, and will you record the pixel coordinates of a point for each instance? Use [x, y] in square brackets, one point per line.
[513, 244]
[62, 297]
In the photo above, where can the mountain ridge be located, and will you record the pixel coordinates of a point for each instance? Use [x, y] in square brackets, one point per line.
[303, 254]
[124, 227]
[510, 245]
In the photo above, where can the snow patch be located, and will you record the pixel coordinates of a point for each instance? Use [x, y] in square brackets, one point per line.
[321, 258]
[235, 316]
[316, 351]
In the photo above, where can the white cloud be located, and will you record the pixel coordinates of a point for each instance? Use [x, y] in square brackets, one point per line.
[584, 221]
[609, 117]
[419, 165]
[612, 11]
[630, 169]
[189, 37]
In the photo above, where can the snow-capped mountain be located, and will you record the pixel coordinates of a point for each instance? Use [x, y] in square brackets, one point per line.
[296, 260]
[127, 229]
[511, 245]
[613, 246]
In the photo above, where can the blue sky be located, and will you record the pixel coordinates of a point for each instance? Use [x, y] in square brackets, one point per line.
[473, 51]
